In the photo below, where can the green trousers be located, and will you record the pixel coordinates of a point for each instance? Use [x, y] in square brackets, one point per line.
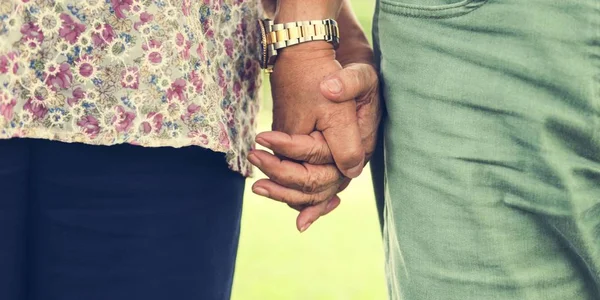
[491, 148]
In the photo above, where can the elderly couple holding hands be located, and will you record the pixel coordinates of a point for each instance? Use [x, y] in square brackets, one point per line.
[127, 131]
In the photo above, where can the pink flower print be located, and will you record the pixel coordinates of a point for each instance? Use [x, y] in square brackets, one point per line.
[201, 137]
[70, 30]
[200, 52]
[105, 37]
[144, 18]
[177, 89]
[119, 6]
[86, 70]
[78, 94]
[130, 78]
[30, 31]
[180, 39]
[237, 88]
[223, 136]
[240, 30]
[62, 79]
[90, 126]
[123, 119]
[8, 63]
[191, 110]
[230, 116]
[84, 67]
[184, 45]
[153, 47]
[196, 82]
[38, 110]
[153, 44]
[7, 109]
[155, 57]
[210, 34]
[221, 76]
[217, 4]
[156, 125]
[186, 6]
[228, 43]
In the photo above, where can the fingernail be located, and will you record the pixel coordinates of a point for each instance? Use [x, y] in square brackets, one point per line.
[334, 85]
[263, 142]
[354, 172]
[303, 228]
[260, 191]
[253, 158]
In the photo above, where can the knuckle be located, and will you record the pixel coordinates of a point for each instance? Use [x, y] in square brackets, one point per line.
[285, 199]
[352, 157]
[335, 176]
[316, 154]
[322, 197]
[316, 199]
[311, 183]
[288, 199]
[312, 200]
[275, 176]
[329, 118]
[372, 77]
[357, 77]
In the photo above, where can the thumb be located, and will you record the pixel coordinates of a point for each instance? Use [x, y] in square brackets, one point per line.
[353, 81]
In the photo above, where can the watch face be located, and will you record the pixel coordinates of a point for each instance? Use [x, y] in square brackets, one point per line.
[262, 45]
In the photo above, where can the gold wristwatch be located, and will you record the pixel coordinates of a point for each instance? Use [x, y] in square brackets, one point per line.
[275, 37]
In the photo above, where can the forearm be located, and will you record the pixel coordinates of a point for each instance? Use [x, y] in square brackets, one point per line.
[269, 7]
[354, 46]
[304, 10]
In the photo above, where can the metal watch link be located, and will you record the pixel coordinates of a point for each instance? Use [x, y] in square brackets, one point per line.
[275, 37]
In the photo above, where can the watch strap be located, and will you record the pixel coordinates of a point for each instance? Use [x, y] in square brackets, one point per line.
[293, 33]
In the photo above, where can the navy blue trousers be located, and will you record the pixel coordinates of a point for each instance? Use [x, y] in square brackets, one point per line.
[116, 223]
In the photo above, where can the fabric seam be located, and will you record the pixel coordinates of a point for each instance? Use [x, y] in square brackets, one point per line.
[439, 11]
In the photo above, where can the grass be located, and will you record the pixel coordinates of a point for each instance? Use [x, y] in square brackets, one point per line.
[339, 257]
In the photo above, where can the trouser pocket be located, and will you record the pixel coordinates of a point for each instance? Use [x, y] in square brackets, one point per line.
[431, 8]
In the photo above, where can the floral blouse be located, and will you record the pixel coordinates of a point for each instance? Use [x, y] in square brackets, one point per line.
[146, 72]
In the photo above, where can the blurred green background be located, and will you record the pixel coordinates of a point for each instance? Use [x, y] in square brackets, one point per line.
[339, 257]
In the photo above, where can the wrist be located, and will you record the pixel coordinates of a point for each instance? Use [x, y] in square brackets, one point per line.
[309, 50]
[302, 60]
[356, 51]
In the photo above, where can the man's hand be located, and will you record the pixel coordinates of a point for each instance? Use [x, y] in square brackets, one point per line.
[300, 108]
[310, 181]
[306, 102]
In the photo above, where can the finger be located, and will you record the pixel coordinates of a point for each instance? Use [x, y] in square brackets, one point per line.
[299, 208]
[306, 178]
[330, 207]
[349, 83]
[344, 184]
[341, 132]
[308, 148]
[311, 214]
[270, 189]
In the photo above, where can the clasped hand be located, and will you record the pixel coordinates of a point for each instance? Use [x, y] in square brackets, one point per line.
[325, 121]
